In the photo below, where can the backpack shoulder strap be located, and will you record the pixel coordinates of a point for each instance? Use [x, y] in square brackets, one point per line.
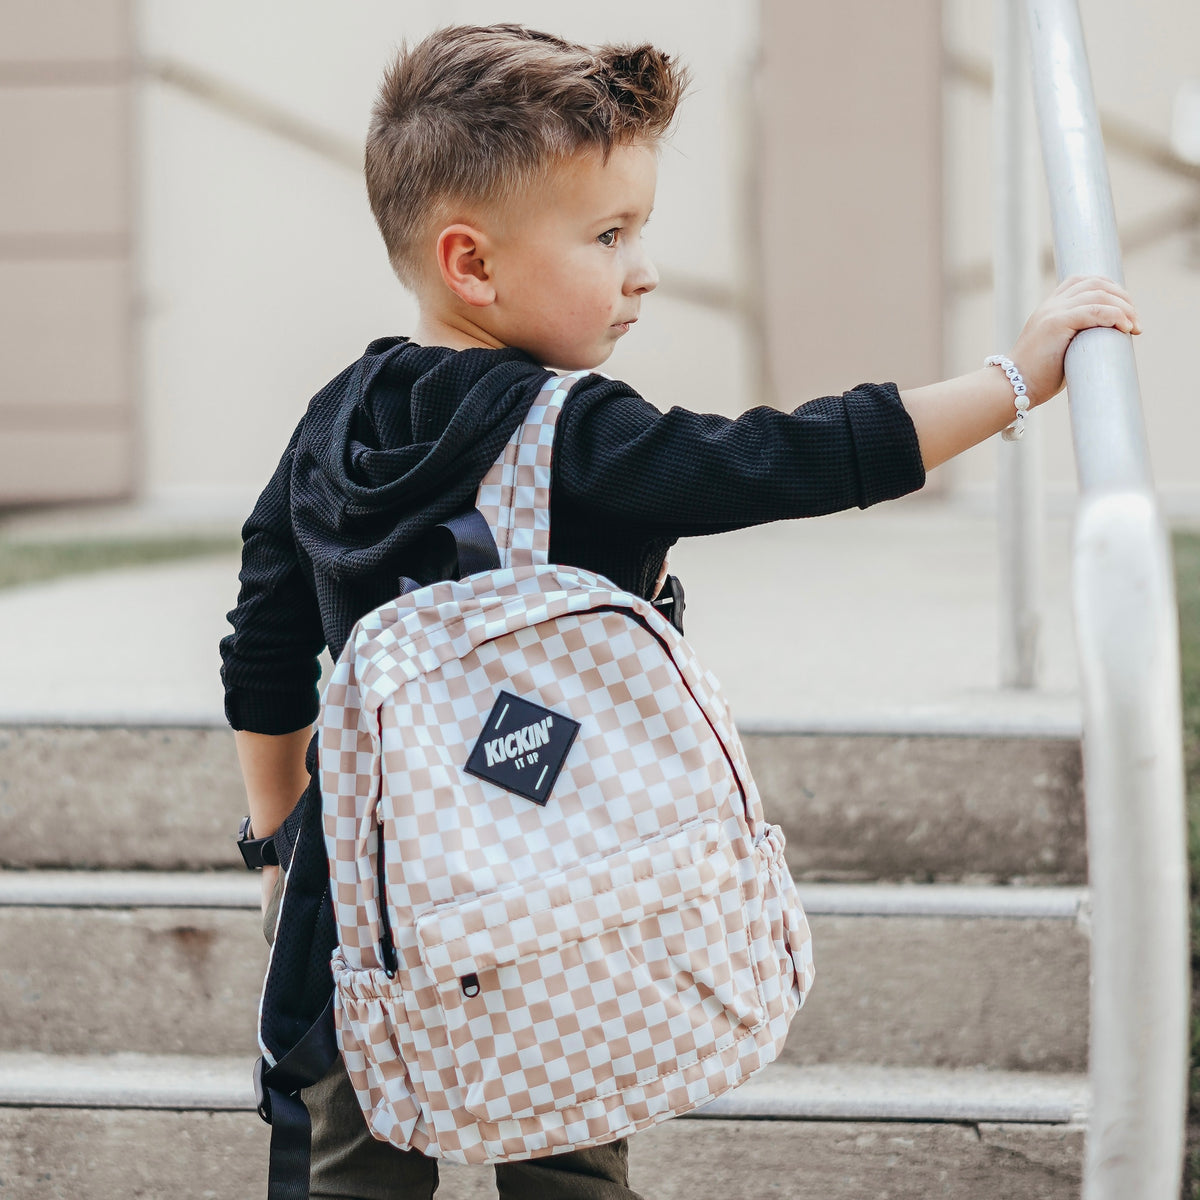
[296, 1026]
[514, 496]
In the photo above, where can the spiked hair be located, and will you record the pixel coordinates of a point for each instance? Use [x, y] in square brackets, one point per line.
[477, 114]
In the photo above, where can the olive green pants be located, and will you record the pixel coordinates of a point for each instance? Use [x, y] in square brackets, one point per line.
[348, 1163]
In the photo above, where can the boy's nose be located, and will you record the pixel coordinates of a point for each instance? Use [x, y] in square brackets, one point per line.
[643, 278]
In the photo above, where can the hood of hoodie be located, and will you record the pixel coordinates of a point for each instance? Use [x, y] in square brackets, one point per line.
[395, 444]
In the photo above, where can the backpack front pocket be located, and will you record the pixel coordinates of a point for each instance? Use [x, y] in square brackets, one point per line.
[591, 981]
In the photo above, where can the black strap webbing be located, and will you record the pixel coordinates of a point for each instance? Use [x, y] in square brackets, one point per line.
[291, 1148]
[277, 1090]
[466, 548]
[296, 1017]
[474, 542]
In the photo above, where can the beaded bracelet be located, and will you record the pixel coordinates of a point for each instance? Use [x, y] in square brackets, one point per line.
[1012, 432]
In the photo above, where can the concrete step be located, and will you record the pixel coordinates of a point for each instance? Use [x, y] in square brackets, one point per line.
[905, 804]
[856, 805]
[91, 1128]
[907, 975]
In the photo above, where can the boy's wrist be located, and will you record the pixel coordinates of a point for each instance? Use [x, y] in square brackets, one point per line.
[993, 386]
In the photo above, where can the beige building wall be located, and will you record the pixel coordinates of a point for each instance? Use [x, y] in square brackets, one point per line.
[66, 363]
[262, 269]
[259, 274]
[851, 193]
[1139, 54]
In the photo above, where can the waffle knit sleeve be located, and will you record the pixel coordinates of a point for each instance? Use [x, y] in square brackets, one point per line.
[269, 663]
[682, 473]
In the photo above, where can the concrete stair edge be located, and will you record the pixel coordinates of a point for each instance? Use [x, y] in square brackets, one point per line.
[241, 890]
[125, 1080]
[866, 722]
[130, 1080]
[834, 1092]
[929, 723]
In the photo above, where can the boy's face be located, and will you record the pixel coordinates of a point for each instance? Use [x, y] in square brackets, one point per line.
[568, 266]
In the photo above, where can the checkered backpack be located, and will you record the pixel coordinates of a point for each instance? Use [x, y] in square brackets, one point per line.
[561, 915]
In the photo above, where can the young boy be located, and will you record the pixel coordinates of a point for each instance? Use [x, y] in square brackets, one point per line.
[511, 174]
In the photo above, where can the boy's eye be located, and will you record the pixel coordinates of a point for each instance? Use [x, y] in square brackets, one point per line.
[608, 237]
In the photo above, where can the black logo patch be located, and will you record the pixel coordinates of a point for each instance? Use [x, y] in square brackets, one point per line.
[522, 747]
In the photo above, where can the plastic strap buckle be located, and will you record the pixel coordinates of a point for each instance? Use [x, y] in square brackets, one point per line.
[262, 1094]
[670, 602]
[256, 852]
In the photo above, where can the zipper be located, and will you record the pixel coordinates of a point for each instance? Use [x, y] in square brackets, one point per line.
[658, 637]
[638, 619]
[387, 947]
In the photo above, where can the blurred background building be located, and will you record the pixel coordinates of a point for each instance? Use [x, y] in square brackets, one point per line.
[187, 255]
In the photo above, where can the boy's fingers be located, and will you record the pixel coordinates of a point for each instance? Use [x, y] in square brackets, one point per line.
[1088, 316]
[1091, 299]
[1081, 283]
[1103, 296]
[1076, 283]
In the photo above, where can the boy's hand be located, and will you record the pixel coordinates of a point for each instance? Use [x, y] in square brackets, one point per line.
[1081, 302]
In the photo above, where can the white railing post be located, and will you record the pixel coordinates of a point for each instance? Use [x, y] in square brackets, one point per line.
[1126, 629]
[1127, 634]
[1017, 284]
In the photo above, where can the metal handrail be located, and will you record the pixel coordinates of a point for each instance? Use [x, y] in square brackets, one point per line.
[1128, 642]
[1020, 512]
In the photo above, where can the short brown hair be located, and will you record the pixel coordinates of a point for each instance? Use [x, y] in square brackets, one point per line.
[477, 113]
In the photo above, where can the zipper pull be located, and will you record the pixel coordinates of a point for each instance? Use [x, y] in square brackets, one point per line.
[387, 947]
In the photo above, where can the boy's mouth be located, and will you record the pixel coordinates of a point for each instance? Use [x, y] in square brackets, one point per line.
[624, 326]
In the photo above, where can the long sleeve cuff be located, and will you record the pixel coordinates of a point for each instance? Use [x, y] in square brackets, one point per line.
[272, 712]
[887, 452]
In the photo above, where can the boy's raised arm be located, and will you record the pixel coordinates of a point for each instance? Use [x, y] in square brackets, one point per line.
[953, 416]
[680, 473]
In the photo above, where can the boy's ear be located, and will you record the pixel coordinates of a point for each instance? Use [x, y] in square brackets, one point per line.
[463, 262]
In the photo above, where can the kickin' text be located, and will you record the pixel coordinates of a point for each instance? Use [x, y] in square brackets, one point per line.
[518, 743]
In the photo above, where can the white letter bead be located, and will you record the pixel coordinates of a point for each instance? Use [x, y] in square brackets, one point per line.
[1020, 394]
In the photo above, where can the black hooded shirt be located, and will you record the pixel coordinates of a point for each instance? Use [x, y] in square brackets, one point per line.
[401, 439]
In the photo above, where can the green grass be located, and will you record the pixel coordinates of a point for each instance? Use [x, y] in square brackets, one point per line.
[36, 562]
[1187, 588]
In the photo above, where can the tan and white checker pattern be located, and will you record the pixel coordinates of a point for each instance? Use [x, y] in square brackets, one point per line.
[514, 496]
[571, 973]
[580, 920]
[635, 979]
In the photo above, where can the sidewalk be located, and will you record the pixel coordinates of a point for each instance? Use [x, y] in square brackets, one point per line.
[881, 619]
